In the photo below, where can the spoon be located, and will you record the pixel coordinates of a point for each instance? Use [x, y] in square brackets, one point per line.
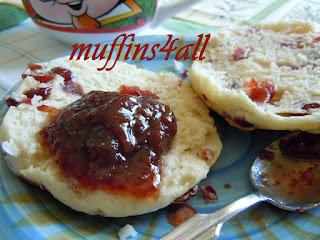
[286, 174]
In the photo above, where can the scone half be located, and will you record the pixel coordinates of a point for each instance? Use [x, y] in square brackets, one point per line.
[194, 149]
[263, 77]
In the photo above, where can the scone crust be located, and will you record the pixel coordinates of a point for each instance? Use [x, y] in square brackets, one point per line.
[271, 55]
[184, 165]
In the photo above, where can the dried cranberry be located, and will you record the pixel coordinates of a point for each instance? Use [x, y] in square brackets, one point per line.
[63, 72]
[179, 213]
[259, 94]
[252, 83]
[34, 66]
[73, 88]
[289, 45]
[41, 77]
[206, 154]
[288, 114]
[270, 88]
[11, 102]
[209, 194]
[311, 106]
[240, 54]
[185, 74]
[266, 155]
[242, 122]
[43, 92]
[26, 100]
[136, 91]
[48, 109]
[188, 195]
[316, 40]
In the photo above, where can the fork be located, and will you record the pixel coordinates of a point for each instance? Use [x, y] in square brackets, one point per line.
[208, 226]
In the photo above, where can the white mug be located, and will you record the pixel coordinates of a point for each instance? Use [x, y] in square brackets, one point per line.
[92, 21]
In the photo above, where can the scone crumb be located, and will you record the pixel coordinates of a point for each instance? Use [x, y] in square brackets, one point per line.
[126, 232]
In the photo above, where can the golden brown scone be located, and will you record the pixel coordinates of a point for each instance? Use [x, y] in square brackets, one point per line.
[266, 76]
[194, 150]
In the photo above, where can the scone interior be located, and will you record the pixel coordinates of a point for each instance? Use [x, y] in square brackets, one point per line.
[194, 149]
[266, 76]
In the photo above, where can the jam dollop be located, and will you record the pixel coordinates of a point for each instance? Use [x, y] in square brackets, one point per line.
[111, 141]
[302, 145]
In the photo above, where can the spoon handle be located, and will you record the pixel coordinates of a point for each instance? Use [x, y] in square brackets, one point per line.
[202, 223]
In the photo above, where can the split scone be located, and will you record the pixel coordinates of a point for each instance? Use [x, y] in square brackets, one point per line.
[118, 143]
[266, 76]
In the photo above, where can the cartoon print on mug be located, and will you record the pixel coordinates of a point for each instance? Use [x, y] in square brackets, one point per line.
[81, 14]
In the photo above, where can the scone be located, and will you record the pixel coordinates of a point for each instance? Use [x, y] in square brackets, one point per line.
[265, 77]
[48, 113]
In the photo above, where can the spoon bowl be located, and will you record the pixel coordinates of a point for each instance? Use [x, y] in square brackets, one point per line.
[286, 173]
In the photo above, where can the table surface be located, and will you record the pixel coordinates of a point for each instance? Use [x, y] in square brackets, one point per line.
[26, 43]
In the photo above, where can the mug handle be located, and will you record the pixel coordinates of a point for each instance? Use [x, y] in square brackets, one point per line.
[168, 10]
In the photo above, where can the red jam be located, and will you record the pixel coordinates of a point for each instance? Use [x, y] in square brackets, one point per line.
[179, 213]
[112, 142]
[303, 146]
[136, 91]
[294, 171]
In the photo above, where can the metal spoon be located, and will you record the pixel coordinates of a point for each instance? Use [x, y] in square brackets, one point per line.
[286, 174]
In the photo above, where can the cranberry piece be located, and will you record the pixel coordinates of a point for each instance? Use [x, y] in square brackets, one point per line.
[179, 213]
[43, 92]
[43, 78]
[242, 122]
[34, 66]
[259, 94]
[266, 155]
[136, 91]
[11, 102]
[48, 109]
[73, 88]
[289, 45]
[240, 54]
[288, 114]
[316, 40]
[311, 106]
[69, 85]
[26, 100]
[185, 74]
[63, 72]
[188, 195]
[206, 154]
[270, 88]
[252, 83]
[208, 193]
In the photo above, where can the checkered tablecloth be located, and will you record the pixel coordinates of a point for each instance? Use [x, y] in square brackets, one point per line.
[24, 43]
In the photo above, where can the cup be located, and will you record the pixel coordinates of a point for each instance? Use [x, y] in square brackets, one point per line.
[93, 21]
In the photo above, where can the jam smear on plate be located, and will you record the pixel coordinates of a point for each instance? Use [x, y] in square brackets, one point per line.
[112, 142]
[179, 213]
